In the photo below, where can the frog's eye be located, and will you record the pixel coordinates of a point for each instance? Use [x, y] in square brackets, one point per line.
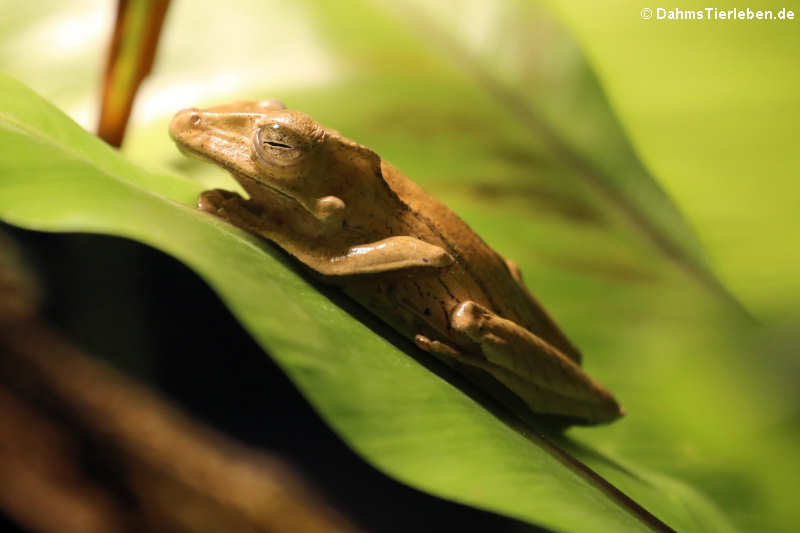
[277, 144]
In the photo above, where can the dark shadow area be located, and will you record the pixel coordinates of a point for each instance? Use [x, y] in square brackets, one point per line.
[152, 317]
[8, 526]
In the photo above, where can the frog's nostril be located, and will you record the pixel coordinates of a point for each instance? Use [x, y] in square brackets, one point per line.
[189, 115]
[183, 121]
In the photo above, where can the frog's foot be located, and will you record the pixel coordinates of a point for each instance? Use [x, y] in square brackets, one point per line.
[215, 200]
[232, 208]
[546, 379]
[438, 348]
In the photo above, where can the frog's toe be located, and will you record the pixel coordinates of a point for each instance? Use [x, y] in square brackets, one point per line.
[440, 348]
[471, 319]
[212, 201]
[435, 347]
[209, 201]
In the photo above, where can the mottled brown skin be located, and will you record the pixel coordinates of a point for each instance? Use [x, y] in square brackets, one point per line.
[360, 224]
[478, 274]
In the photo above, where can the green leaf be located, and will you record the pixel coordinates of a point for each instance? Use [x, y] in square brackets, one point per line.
[535, 71]
[711, 107]
[401, 417]
[710, 397]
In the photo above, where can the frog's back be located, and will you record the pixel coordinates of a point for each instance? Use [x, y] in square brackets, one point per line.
[490, 274]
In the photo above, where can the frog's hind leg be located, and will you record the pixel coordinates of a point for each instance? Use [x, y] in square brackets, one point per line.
[546, 379]
[554, 333]
[440, 348]
[539, 399]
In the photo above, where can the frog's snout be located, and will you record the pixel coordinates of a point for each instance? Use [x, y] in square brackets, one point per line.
[184, 120]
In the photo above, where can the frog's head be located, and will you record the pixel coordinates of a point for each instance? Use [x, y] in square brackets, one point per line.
[263, 145]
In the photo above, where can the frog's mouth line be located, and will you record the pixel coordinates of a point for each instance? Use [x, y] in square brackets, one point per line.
[191, 152]
[236, 176]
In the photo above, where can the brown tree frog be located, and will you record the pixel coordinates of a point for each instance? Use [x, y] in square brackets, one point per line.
[358, 223]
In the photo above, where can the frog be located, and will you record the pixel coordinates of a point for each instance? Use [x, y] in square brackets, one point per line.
[356, 222]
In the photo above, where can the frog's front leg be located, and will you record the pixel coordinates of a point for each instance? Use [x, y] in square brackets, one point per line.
[546, 379]
[393, 253]
[386, 255]
[232, 208]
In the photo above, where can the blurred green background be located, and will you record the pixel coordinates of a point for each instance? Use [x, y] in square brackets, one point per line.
[643, 173]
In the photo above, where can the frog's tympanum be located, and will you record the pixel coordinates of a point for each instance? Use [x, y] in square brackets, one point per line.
[356, 222]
